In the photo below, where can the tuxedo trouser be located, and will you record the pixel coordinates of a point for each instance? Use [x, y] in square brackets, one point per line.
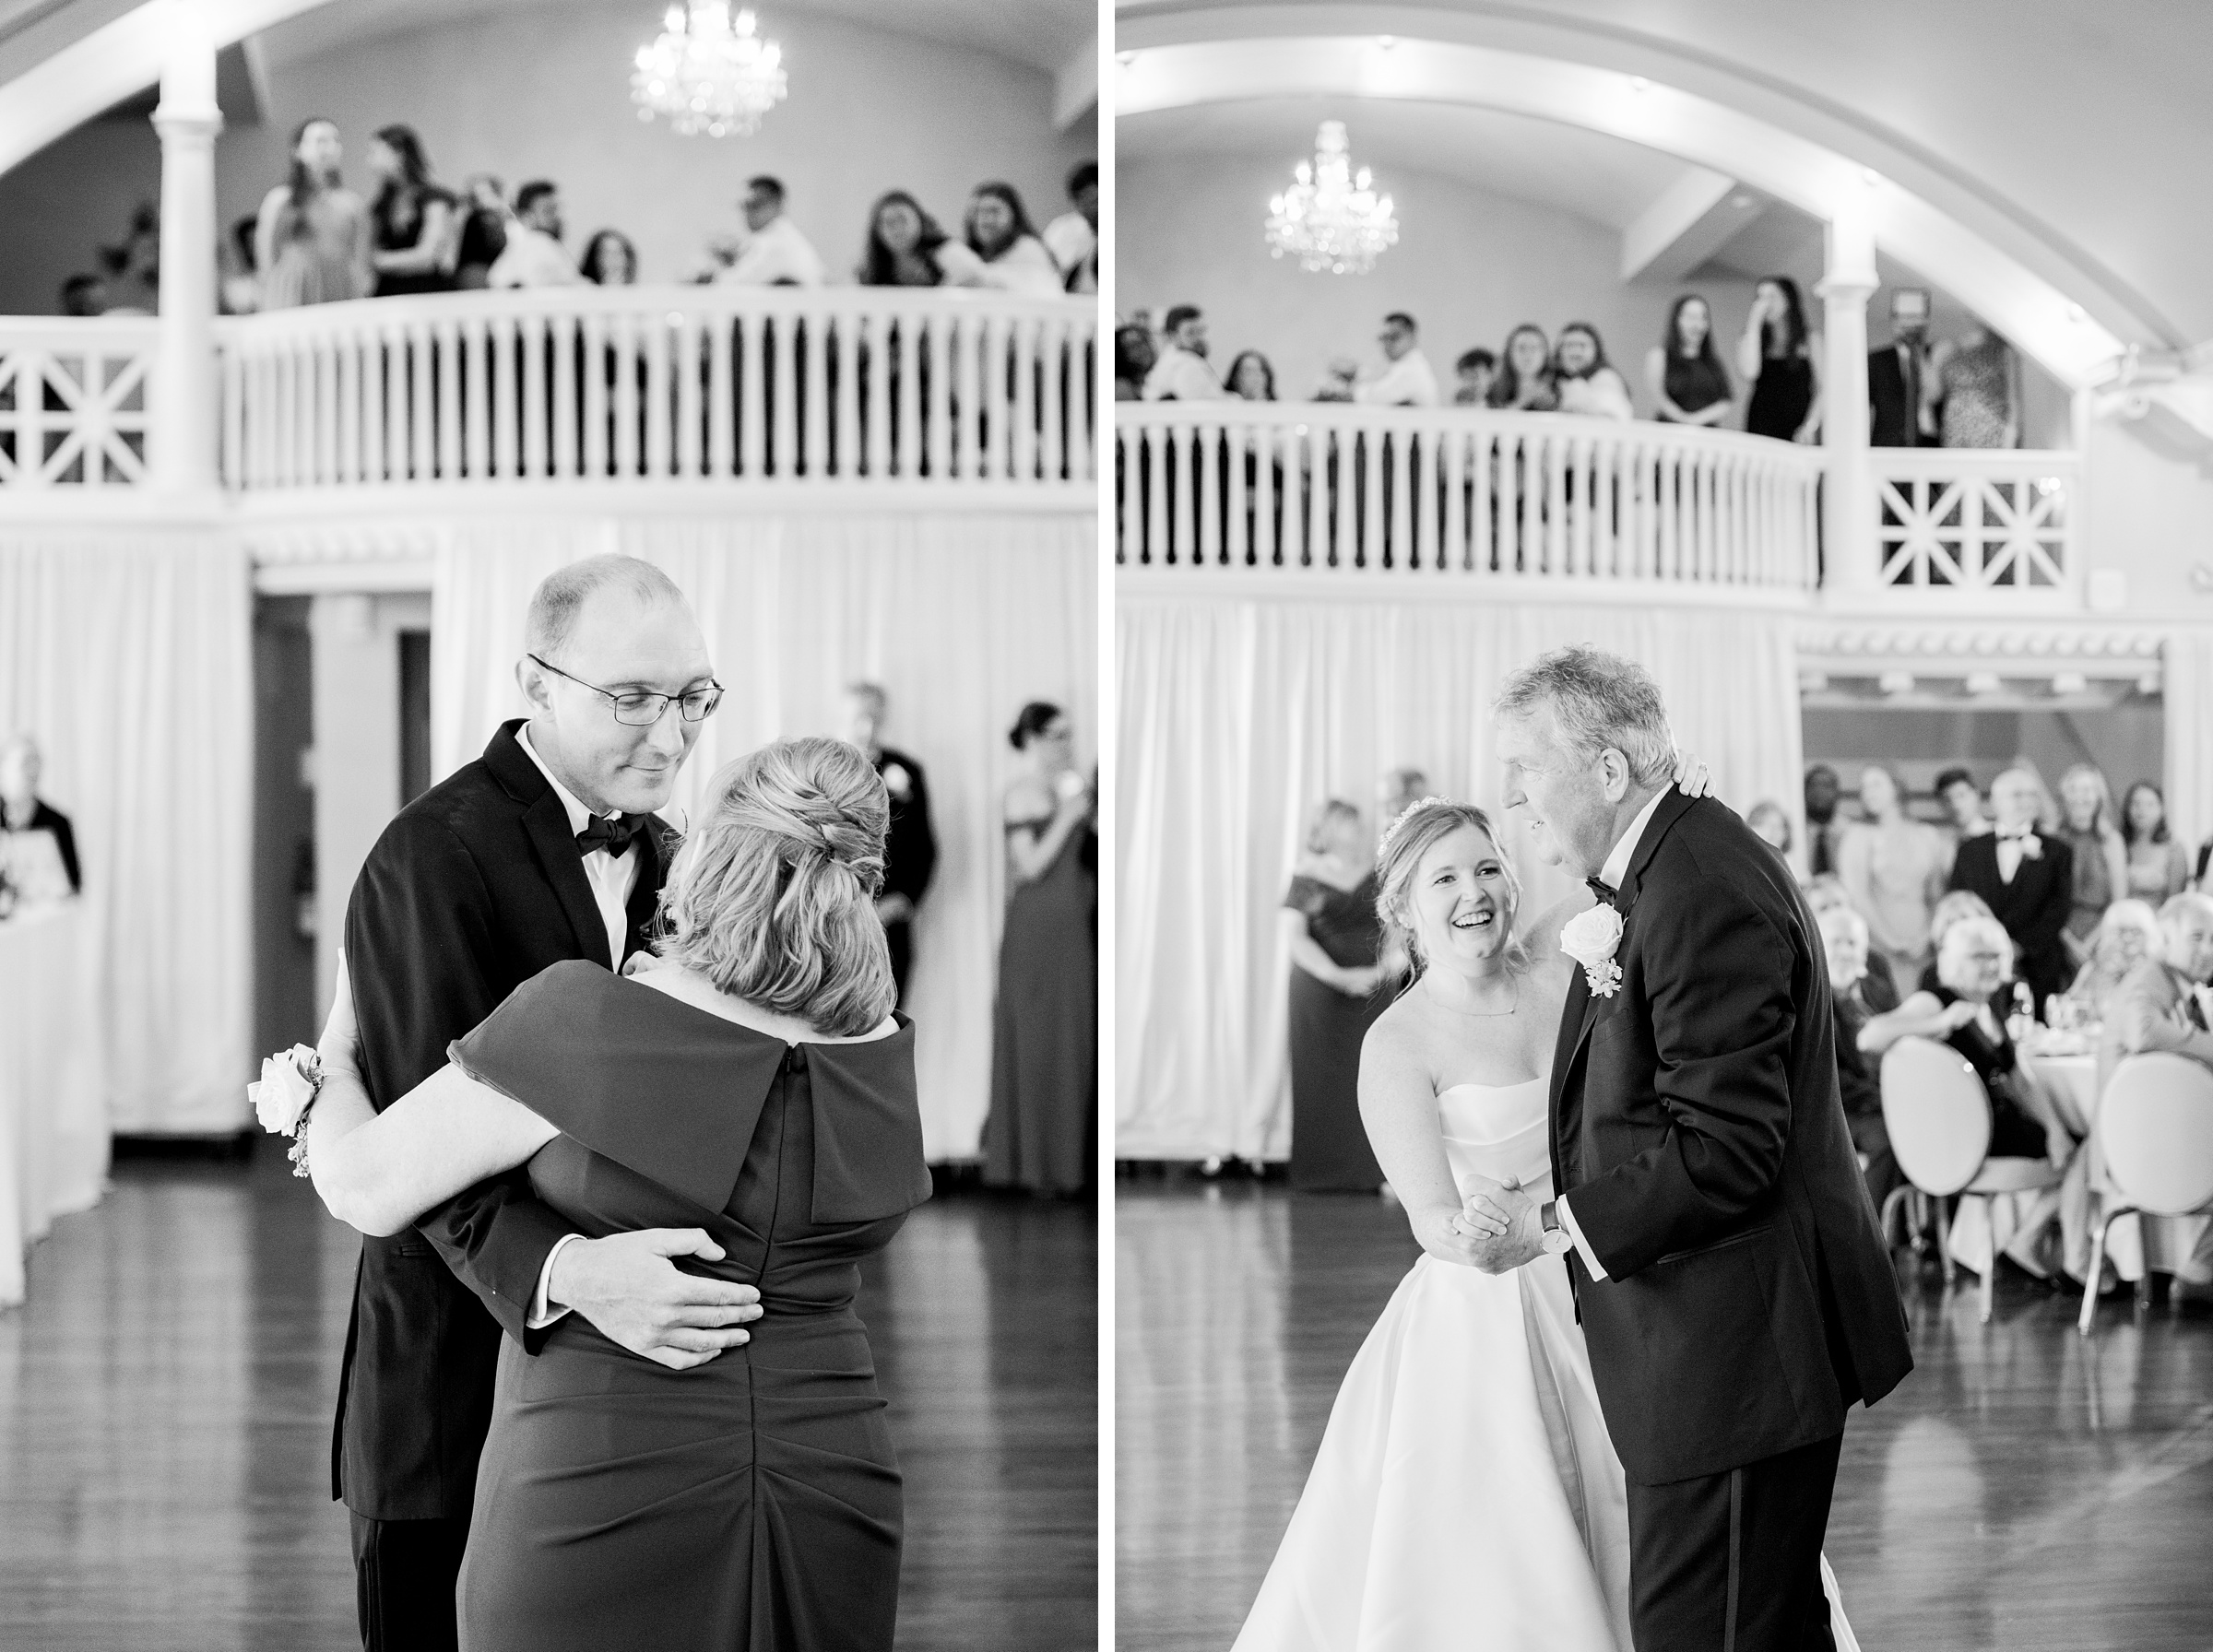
[1731, 1561]
[404, 1575]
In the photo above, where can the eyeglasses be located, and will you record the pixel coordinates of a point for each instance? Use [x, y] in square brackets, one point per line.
[642, 709]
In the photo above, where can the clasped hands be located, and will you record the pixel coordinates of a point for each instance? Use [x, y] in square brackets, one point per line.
[1496, 1228]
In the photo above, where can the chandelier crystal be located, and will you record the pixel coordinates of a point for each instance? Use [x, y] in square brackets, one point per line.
[709, 72]
[1331, 218]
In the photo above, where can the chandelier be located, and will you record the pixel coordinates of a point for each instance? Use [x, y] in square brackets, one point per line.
[1331, 218]
[708, 72]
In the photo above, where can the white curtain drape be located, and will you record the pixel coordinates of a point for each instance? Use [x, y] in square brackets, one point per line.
[129, 658]
[1236, 716]
[2187, 697]
[961, 619]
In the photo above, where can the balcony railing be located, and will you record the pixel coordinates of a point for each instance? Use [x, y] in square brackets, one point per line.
[1976, 519]
[846, 391]
[1362, 493]
[72, 410]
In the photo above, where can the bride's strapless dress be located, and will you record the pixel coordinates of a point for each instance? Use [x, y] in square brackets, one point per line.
[1466, 1492]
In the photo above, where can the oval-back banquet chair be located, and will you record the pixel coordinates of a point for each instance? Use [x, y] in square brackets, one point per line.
[1938, 1116]
[2155, 1131]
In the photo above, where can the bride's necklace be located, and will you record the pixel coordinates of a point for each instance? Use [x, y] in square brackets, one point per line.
[1476, 1015]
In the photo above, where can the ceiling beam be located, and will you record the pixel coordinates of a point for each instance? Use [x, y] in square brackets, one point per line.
[1688, 222]
[1076, 85]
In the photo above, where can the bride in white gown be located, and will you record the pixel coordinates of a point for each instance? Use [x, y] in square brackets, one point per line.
[1466, 1493]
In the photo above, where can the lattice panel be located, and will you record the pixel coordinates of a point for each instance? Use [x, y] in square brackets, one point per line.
[71, 417]
[1975, 532]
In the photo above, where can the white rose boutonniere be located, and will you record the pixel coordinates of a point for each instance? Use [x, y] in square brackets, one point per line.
[289, 1084]
[1591, 939]
[898, 782]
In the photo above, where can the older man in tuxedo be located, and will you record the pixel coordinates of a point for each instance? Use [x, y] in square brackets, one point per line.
[910, 849]
[1733, 1292]
[544, 849]
[2027, 880]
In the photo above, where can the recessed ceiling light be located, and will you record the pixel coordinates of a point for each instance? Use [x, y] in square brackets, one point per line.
[1870, 174]
[1638, 83]
[2077, 312]
[1387, 40]
[1740, 201]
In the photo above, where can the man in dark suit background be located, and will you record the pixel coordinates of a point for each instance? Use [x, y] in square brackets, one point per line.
[1735, 1294]
[543, 850]
[22, 809]
[1898, 374]
[2027, 880]
[910, 851]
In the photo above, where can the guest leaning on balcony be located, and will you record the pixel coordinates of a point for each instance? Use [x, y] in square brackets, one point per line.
[1587, 384]
[1472, 375]
[772, 253]
[1251, 378]
[1132, 361]
[1181, 374]
[483, 231]
[610, 260]
[1684, 373]
[534, 256]
[1524, 383]
[999, 233]
[1777, 356]
[1898, 374]
[2088, 825]
[1974, 390]
[1073, 238]
[417, 224]
[311, 239]
[2158, 866]
[905, 245]
[1407, 379]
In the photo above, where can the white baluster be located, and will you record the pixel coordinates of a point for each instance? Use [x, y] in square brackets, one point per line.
[506, 438]
[449, 399]
[564, 393]
[659, 450]
[688, 366]
[1267, 535]
[234, 417]
[537, 405]
[784, 412]
[1058, 370]
[937, 416]
[846, 419]
[908, 454]
[752, 407]
[1207, 455]
[1154, 502]
[598, 357]
[999, 349]
[1021, 419]
[721, 387]
[814, 343]
[478, 432]
[624, 331]
[420, 367]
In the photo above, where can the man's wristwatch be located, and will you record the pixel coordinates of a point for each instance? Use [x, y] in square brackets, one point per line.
[1557, 1241]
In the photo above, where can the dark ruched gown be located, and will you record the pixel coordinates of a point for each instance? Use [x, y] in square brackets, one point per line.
[752, 1502]
[1041, 1131]
[1328, 1144]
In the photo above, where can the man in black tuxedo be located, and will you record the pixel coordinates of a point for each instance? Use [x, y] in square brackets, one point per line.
[545, 849]
[1897, 374]
[1734, 1291]
[22, 809]
[910, 850]
[2027, 882]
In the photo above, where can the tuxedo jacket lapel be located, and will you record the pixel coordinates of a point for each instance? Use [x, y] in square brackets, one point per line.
[548, 824]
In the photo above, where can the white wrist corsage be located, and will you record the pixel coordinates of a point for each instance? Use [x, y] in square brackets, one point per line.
[1592, 938]
[289, 1084]
[898, 782]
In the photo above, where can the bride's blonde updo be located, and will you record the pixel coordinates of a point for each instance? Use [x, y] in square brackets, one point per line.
[773, 896]
[1407, 839]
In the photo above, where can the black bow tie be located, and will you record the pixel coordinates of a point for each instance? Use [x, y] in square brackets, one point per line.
[612, 835]
[1602, 889]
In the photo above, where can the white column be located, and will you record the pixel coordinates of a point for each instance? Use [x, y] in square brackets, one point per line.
[182, 408]
[1848, 505]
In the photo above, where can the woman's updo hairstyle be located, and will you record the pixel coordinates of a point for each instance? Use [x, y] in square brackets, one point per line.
[1033, 720]
[1409, 837]
[773, 895]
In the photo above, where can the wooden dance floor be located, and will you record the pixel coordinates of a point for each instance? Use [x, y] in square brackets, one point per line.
[165, 1400]
[2023, 1490]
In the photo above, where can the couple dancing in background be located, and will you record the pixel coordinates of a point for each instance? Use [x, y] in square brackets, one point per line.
[1603, 1411]
[649, 1106]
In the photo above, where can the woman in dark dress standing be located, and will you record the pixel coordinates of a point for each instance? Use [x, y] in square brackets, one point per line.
[1776, 358]
[1689, 384]
[1336, 943]
[415, 223]
[1041, 1132]
[756, 1088]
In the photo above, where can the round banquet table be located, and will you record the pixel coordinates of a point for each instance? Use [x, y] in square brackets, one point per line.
[54, 1132]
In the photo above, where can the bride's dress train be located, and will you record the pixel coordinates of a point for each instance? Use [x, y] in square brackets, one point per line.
[1466, 1492]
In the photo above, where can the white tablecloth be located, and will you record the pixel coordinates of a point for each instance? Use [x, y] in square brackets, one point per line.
[54, 1131]
[2168, 1243]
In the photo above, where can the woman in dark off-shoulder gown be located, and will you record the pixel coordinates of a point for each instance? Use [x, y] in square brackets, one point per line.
[759, 1089]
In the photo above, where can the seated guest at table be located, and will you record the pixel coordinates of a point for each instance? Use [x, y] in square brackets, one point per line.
[2166, 1002]
[38, 850]
[1960, 903]
[2158, 866]
[1972, 965]
[2027, 880]
[1770, 825]
[2127, 935]
[1844, 937]
[1879, 988]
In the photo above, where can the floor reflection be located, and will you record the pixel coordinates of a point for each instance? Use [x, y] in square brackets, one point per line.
[165, 1400]
[2024, 1489]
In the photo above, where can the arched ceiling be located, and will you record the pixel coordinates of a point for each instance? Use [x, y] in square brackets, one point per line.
[2045, 122]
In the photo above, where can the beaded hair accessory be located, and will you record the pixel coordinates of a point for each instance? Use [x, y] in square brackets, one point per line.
[1405, 814]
